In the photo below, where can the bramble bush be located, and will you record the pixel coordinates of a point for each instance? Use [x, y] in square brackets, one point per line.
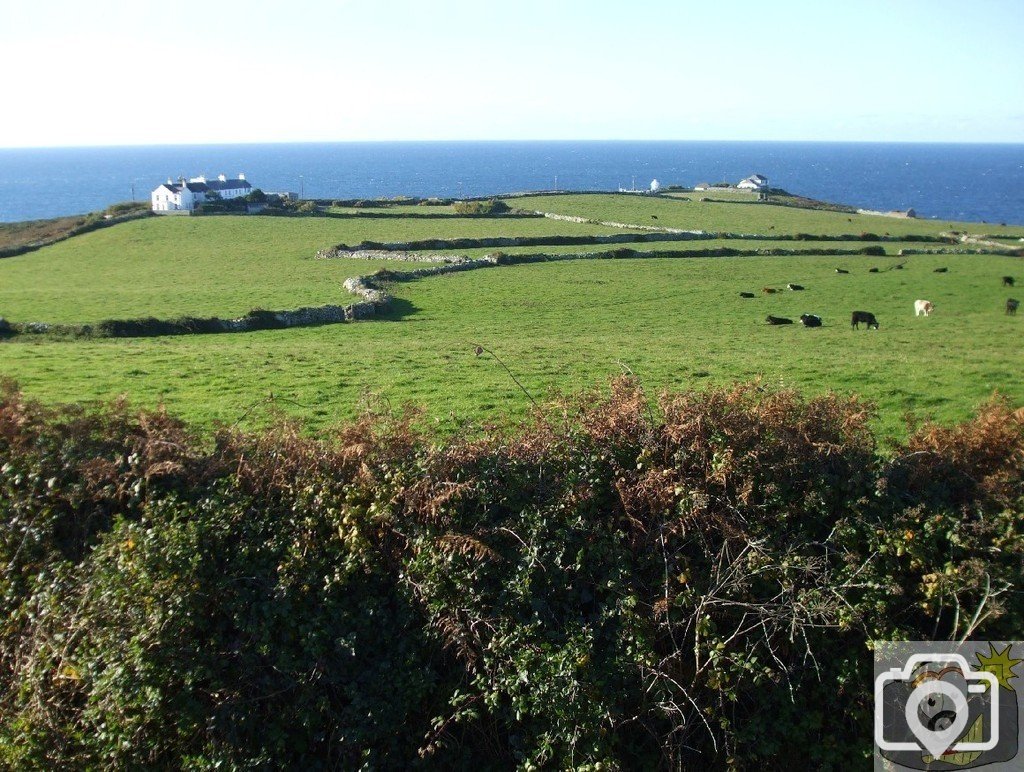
[691, 582]
[488, 207]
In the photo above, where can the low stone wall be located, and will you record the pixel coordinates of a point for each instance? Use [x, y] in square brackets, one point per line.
[949, 251]
[411, 250]
[383, 254]
[190, 325]
[403, 250]
[610, 224]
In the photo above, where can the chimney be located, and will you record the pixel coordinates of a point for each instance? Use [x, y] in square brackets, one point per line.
[222, 178]
[241, 176]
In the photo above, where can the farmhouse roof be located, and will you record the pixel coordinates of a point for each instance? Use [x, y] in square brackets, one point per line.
[227, 184]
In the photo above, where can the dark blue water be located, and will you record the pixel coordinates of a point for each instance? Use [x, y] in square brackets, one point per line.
[961, 182]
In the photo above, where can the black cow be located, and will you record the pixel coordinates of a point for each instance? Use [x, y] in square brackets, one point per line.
[872, 270]
[865, 317]
[841, 270]
[795, 287]
[1007, 281]
[1011, 306]
[940, 270]
[747, 295]
[810, 320]
[778, 320]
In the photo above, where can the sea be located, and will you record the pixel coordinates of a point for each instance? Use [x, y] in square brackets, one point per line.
[967, 182]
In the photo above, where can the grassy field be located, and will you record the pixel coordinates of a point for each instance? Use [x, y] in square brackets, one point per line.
[215, 266]
[740, 217]
[558, 326]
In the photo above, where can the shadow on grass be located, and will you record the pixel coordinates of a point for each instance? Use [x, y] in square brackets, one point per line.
[398, 310]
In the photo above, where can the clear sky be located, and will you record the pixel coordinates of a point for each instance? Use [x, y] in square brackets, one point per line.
[110, 72]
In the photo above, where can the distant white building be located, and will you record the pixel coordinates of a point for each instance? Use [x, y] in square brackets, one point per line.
[185, 196]
[754, 182]
[655, 186]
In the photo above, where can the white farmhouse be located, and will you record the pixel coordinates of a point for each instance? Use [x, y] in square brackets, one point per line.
[185, 196]
[754, 182]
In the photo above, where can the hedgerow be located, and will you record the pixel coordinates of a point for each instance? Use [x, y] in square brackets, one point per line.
[691, 583]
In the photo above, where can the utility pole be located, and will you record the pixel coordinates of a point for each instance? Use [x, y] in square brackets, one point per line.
[133, 192]
[302, 188]
[556, 183]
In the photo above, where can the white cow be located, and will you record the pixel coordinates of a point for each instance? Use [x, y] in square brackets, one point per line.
[923, 307]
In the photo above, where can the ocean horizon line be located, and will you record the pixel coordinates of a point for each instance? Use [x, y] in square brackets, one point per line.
[323, 142]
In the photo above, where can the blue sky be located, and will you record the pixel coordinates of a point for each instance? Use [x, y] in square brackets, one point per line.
[112, 72]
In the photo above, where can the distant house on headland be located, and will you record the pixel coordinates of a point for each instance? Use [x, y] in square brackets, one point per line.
[186, 196]
[754, 182]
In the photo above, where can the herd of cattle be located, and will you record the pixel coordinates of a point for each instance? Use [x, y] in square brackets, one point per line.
[921, 307]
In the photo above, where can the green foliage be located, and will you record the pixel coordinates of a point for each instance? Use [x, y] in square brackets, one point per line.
[606, 583]
[488, 207]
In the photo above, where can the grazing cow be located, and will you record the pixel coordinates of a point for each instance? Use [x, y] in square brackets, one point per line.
[747, 294]
[795, 287]
[810, 320]
[941, 270]
[863, 317]
[768, 290]
[1007, 281]
[1011, 306]
[841, 270]
[654, 217]
[778, 320]
[872, 270]
[923, 307]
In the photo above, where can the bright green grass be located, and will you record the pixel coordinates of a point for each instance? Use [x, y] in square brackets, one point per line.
[737, 218]
[674, 323]
[215, 266]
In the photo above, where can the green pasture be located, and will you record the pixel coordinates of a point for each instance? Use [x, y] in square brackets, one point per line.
[674, 323]
[559, 326]
[752, 217]
[216, 266]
